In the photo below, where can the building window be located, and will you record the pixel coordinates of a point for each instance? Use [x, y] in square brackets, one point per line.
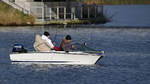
[38, 0]
[48, 0]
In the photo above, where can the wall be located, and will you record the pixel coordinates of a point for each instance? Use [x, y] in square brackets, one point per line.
[23, 3]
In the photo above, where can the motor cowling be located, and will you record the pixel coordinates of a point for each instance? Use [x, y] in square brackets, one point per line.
[19, 48]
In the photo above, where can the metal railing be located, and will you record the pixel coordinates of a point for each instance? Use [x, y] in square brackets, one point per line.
[16, 6]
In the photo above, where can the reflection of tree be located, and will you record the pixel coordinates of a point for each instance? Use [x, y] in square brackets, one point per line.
[101, 18]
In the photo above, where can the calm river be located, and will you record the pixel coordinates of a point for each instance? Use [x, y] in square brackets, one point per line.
[126, 62]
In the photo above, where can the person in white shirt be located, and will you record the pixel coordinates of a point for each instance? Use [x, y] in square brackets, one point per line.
[46, 37]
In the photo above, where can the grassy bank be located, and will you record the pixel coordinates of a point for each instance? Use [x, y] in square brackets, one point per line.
[11, 16]
[116, 2]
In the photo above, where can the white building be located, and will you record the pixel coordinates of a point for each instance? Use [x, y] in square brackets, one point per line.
[46, 10]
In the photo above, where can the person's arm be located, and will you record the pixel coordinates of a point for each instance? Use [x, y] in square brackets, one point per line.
[50, 43]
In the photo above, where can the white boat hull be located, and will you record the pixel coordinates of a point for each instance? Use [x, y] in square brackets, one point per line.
[56, 57]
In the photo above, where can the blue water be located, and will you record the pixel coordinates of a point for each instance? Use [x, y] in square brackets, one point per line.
[126, 62]
[127, 51]
[128, 15]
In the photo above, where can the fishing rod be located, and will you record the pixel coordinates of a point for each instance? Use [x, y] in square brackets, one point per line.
[91, 49]
[55, 35]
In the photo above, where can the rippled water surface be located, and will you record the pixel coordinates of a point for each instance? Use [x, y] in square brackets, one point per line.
[126, 62]
[128, 15]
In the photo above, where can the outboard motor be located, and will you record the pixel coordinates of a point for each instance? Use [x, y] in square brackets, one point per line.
[19, 48]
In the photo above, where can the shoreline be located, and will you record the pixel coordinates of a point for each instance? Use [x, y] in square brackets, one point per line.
[81, 26]
[58, 22]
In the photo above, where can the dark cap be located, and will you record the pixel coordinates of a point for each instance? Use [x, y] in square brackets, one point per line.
[68, 37]
[46, 33]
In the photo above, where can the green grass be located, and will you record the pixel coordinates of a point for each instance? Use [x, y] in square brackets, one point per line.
[11, 16]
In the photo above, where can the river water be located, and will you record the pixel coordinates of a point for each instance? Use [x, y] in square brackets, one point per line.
[126, 61]
[127, 57]
[128, 15]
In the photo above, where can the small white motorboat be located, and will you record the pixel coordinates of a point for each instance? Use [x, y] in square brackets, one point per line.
[79, 56]
[57, 57]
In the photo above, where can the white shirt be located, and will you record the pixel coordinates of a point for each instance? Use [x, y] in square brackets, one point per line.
[48, 40]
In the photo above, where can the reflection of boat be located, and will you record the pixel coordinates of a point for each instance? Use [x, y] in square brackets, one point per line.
[57, 57]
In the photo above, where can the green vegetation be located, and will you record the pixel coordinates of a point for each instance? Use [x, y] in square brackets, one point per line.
[100, 19]
[11, 16]
[63, 22]
[78, 22]
[116, 2]
[69, 22]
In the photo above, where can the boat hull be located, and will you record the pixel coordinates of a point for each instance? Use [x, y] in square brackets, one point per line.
[56, 58]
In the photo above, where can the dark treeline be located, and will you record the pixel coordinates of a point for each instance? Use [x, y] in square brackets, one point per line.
[115, 2]
[107, 2]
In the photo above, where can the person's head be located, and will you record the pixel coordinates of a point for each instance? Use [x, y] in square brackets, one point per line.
[47, 34]
[68, 38]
